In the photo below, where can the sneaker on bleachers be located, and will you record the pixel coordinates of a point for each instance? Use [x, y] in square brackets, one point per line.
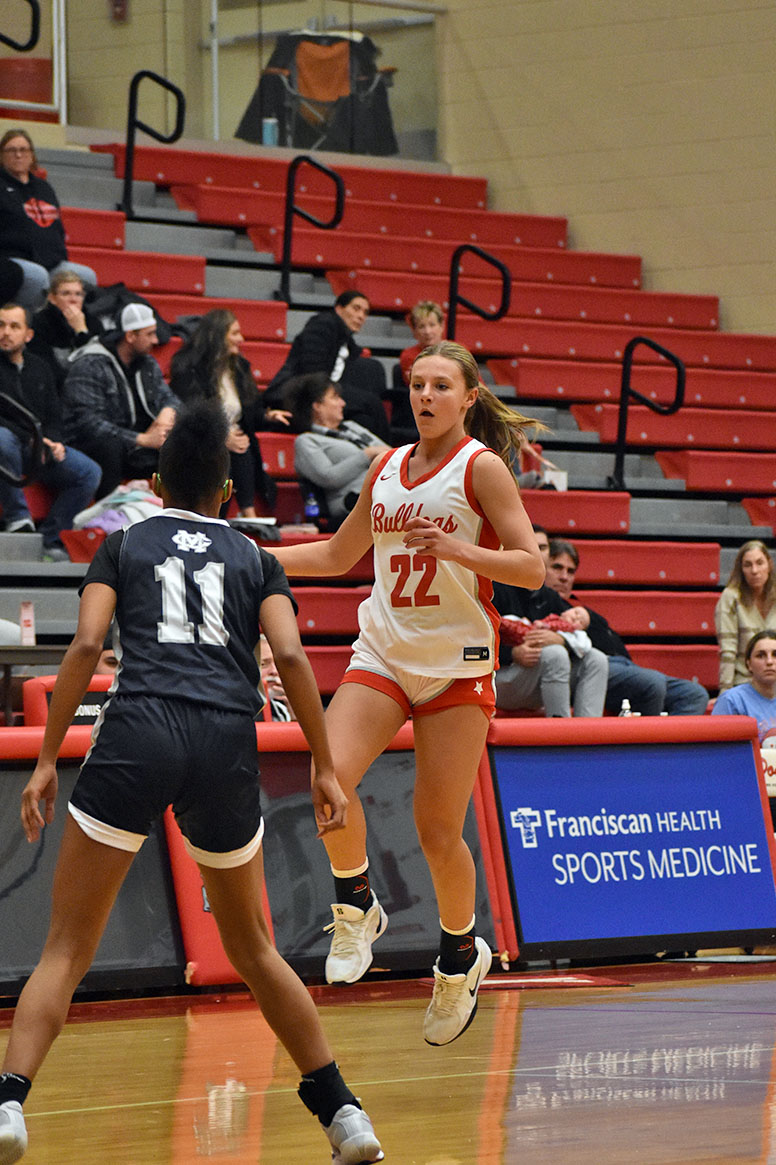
[454, 1002]
[354, 930]
[13, 1133]
[352, 1137]
[20, 526]
[55, 553]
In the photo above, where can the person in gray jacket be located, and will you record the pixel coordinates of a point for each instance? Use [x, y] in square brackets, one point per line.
[118, 409]
[331, 453]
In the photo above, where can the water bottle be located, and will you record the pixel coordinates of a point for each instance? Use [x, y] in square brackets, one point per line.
[625, 708]
[311, 508]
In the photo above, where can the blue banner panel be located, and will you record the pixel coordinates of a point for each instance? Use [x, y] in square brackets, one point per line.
[644, 839]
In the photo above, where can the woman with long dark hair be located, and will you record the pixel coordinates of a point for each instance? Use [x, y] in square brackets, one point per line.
[209, 366]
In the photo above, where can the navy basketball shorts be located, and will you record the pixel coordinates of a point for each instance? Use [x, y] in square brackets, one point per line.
[148, 753]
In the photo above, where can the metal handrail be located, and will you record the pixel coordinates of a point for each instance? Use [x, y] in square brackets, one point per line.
[134, 124]
[453, 297]
[12, 408]
[34, 31]
[616, 480]
[284, 291]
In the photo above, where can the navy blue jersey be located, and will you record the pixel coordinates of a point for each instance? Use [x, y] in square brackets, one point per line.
[188, 594]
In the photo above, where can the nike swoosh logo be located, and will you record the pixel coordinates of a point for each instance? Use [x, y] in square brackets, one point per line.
[473, 990]
[386, 476]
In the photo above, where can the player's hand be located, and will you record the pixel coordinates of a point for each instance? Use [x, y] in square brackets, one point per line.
[42, 786]
[424, 536]
[329, 802]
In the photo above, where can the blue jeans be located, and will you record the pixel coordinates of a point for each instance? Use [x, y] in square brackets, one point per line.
[650, 692]
[74, 481]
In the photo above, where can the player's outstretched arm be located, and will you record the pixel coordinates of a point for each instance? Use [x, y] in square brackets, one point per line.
[278, 623]
[98, 603]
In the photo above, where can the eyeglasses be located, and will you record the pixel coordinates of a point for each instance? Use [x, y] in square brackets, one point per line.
[17, 150]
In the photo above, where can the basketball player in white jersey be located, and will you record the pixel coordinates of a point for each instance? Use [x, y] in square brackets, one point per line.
[445, 518]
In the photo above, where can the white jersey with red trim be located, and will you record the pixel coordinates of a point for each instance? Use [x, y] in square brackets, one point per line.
[425, 615]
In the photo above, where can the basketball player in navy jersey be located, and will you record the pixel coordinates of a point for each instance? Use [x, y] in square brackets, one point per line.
[188, 594]
[445, 517]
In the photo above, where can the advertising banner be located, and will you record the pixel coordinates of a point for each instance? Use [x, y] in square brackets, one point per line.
[640, 841]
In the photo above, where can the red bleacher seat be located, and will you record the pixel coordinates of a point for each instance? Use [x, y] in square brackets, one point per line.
[168, 166]
[144, 270]
[606, 342]
[657, 612]
[672, 564]
[719, 472]
[93, 228]
[264, 209]
[690, 427]
[578, 511]
[688, 661]
[329, 610]
[389, 290]
[277, 452]
[259, 319]
[570, 380]
[762, 511]
[329, 664]
[340, 249]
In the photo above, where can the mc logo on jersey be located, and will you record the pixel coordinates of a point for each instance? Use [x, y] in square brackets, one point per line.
[527, 821]
[196, 543]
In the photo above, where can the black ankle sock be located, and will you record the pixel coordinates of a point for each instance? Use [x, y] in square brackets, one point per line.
[355, 891]
[457, 952]
[14, 1087]
[324, 1091]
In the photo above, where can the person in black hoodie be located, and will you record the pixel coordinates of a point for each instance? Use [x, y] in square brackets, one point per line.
[117, 407]
[29, 381]
[326, 344]
[209, 366]
[31, 230]
[62, 325]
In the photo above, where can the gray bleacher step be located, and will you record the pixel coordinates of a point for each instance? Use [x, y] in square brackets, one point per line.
[180, 239]
[56, 609]
[99, 192]
[698, 532]
[244, 283]
[20, 548]
[674, 513]
[238, 257]
[37, 573]
[53, 159]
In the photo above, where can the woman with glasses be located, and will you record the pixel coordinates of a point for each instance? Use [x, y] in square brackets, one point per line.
[31, 230]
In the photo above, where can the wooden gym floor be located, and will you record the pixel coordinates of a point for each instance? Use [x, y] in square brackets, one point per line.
[650, 1064]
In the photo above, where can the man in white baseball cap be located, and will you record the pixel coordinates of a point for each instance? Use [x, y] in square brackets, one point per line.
[117, 405]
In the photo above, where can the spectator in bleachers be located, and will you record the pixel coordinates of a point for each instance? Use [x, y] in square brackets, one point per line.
[31, 230]
[547, 670]
[209, 366]
[72, 477]
[326, 344]
[62, 325]
[756, 698]
[331, 453]
[279, 703]
[746, 605]
[118, 408]
[649, 692]
[427, 321]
